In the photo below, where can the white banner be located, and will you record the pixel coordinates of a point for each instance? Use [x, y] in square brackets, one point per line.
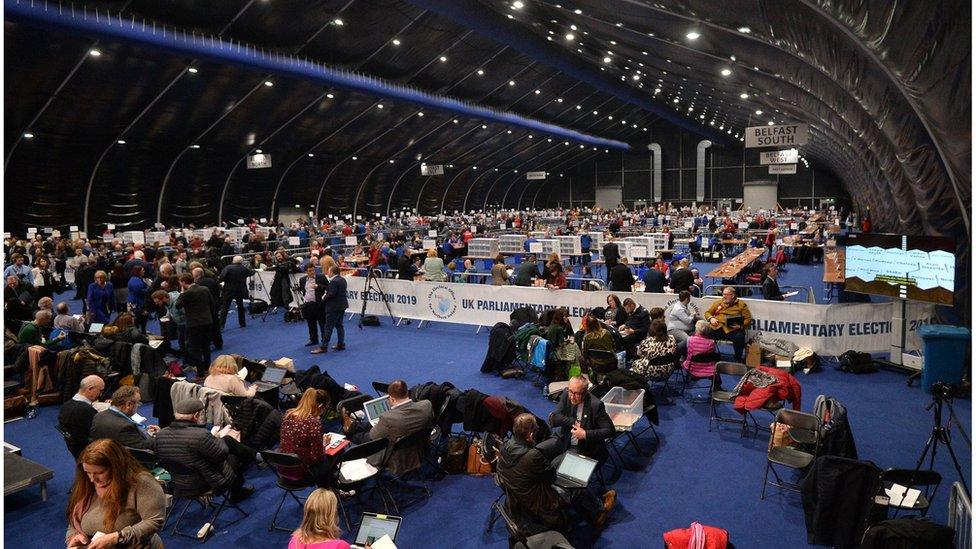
[827, 329]
[783, 135]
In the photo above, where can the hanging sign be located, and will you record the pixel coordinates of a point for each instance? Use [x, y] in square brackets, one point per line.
[255, 161]
[788, 156]
[783, 135]
[535, 175]
[782, 169]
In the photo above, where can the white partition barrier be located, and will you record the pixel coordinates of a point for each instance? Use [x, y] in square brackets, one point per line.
[827, 329]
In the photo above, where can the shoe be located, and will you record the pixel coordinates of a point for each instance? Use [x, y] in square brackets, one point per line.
[338, 347]
[310, 343]
[320, 350]
[609, 500]
[242, 494]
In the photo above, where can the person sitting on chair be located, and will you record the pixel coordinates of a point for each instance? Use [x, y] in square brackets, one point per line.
[320, 525]
[405, 417]
[638, 322]
[117, 424]
[700, 343]
[76, 415]
[301, 434]
[657, 345]
[223, 377]
[585, 424]
[719, 314]
[598, 339]
[527, 475]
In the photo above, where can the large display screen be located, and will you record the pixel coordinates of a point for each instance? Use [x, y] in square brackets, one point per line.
[920, 268]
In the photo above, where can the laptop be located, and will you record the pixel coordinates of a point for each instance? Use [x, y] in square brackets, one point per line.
[734, 321]
[374, 526]
[272, 378]
[575, 471]
[375, 407]
[95, 328]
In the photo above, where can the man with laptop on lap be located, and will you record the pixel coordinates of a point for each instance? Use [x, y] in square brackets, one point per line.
[543, 490]
[392, 417]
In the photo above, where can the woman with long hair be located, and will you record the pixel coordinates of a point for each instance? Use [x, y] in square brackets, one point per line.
[128, 333]
[301, 434]
[115, 495]
[615, 314]
[222, 376]
[320, 524]
[599, 339]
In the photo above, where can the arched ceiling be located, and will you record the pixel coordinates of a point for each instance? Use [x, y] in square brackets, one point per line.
[884, 85]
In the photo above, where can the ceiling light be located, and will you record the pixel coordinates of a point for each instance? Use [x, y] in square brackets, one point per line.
[337, 22]
[481, 72]
[517, 5]
[537, 92]
[194, 146]
[330, 96]
[675, 100]
[28, 135]
[758, 113]
[311, 155]
[379, 105]
[396, 41]
[573, 27]
[702, 117]
[121, 141]
[693, 35]
[770, 123]
[606, 59]
[268, 83]
[193, 70]
[578, 12]
[745, 30]
[610, 117]
[94, 52]
[595, 112]
[355, 158]
[511, 82]
[743, 95]
[657, 90]
[578, 107]
[559, 100]
[530, 136]
[726, 72]
[566, 143]
[712, 123]
[510, 16]
[443, 59]
[581, 146]
[420, 114]
[570, 36]
[455, 120]
[508, 131]
[474, 167]
[636, 77]
[484, 126]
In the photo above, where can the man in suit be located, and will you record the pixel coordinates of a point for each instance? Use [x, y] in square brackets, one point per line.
[205, 278]
[527, 272]
[313, 287]
[654, 281]
[405, 417]
[76, 415]
[621, 279]
[334, 305]
[637, 325]
[234, 277]
[682, 278]
[527, 475]
[117, 424]
[585, 424]
[198, 305]
[611, 255]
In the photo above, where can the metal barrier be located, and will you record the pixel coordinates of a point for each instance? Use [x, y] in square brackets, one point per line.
[808, 290]
[960, 516]
[601, 284]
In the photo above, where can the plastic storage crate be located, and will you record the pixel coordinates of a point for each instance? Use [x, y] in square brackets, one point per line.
[549, 246]
[483, 247]
[569, 245]
[625, 407]
[511, 243]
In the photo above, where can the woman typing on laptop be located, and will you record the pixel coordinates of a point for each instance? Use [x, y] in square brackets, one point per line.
[223, 377]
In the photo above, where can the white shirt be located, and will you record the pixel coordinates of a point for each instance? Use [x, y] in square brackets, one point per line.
[81, 398]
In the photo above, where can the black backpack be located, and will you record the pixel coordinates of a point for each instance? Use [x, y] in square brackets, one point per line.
[370, 320]
[854, 362]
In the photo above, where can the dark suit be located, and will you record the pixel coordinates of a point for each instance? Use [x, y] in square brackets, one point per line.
[682, 279]
[234, 277]
[75, 418]
[111, 424]
[211, 284]
[611, 255]
[597, 423]
[394, 424]
[198, 304]
[334, 305]
[405, 267]
[621, 279]
[771, 291]
[640, 322]
[312, 310]
[654, 281]
[526, 271]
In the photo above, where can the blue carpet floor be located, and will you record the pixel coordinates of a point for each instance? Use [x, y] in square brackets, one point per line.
[712, 477]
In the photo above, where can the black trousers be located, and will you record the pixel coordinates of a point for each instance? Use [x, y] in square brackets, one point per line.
[240, 458]
[312, 313]
[225, 308]
[198, 347]
[737, 337]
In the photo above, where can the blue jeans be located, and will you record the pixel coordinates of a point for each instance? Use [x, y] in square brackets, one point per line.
[334, 320]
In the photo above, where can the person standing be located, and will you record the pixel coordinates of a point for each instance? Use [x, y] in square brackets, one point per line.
[313, 287]
[100, 298]
[138, 290]
[198, 305]
[770, 287]
[334, 305]
[234, 277]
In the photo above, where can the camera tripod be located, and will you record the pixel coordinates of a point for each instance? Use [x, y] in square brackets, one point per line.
[373, 283]
[940, 434]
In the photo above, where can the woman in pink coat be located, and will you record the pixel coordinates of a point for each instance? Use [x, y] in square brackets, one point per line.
[700, 343]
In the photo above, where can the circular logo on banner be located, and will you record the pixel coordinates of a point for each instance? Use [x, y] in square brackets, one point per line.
[442, 302]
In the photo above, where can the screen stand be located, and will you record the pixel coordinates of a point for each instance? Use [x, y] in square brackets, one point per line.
[897, 353]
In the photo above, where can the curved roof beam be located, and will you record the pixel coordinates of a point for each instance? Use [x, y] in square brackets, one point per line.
[235, 53]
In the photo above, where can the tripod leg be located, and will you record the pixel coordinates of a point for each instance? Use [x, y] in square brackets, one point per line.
[955, 462]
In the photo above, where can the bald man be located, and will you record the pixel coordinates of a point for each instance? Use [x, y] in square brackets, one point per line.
[75, 417]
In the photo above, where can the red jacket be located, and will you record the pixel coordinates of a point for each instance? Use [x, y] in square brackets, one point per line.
[751, 397]
[680, 538]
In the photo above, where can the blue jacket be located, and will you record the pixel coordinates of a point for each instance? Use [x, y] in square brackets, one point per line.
[137, 291]
[334, 300]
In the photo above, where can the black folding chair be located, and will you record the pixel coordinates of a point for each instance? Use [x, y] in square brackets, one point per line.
[928, 480]
[419, 443]
[205, 498]
[711, 356]
[146, 458]
[290, 487]
[232, 403]
[668, 359]
[352, 404]
[725, 397]
[381, 388]
[346, 481]
[791, 456]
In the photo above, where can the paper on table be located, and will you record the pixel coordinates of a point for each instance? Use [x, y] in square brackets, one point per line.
[790, 294]
[384, 543]
[902, 496]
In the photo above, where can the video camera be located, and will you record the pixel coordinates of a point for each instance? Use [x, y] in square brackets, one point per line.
[947, 391]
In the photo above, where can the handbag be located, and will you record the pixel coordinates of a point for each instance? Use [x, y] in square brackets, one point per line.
[780, 434]
[456, 460]
[476, 465]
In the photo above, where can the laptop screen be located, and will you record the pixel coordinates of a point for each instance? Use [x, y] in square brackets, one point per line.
[273, 375]
[95, 328]
[375, 407]
[576, 467]
[374, 526]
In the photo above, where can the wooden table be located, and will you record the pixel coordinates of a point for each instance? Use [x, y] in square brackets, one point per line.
[734, 266]
[833, 272]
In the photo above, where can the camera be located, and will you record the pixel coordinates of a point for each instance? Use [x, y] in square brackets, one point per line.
[946, 390]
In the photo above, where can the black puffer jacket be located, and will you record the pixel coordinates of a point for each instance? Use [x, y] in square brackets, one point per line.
[527, 476]
[191, 446]
[259, 423]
